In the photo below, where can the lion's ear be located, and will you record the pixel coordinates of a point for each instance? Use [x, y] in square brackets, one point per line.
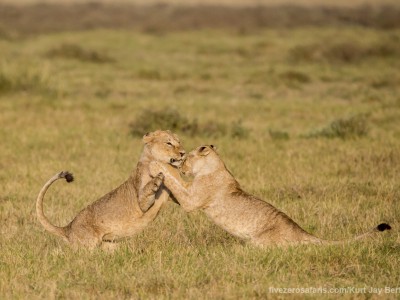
[204, 150]
[148, 137]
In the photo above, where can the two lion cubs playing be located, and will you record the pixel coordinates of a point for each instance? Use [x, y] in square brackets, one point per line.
[132, 206]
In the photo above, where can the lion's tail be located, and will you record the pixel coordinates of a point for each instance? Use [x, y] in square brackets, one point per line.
[60, 231]
[380, 228]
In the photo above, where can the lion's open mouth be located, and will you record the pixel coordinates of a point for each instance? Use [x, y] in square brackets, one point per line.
[176, 162]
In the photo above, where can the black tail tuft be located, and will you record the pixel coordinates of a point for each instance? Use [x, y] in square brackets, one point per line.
[383, 227]
[67, 175]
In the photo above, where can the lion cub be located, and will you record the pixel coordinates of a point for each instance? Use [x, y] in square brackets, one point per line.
[127, 209]
[215, 191]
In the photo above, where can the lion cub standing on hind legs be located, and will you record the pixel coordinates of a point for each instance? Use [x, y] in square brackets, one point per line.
[215, 191]
[127, 209]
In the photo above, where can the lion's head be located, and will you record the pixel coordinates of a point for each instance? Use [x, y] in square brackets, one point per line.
[202, 160]
[164, 146]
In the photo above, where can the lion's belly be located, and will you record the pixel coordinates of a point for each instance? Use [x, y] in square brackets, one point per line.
[230, 222]
[119, 230]
[241, 216]
[129, 224]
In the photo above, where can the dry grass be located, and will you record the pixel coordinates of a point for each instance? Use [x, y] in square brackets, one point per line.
[333, 187]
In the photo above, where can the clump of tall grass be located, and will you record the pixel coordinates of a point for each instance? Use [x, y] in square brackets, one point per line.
[278, 134]
[24, 79]
[237, 130]
[148, 74]
[6, 34]
[293, 76]
[344, 128]
[150, 120]
[73, 51]
[294, 79]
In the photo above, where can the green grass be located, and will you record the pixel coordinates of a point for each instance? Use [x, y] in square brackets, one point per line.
[333, 187]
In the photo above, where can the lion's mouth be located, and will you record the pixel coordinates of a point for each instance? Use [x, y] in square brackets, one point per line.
[176, 162]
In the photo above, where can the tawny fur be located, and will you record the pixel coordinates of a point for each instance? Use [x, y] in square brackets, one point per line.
[126, 210]
[215, 191]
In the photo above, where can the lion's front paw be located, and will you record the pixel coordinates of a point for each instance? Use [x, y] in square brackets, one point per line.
[154, 169]
[158, 180]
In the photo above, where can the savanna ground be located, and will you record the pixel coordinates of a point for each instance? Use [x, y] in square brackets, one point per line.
[306, 115]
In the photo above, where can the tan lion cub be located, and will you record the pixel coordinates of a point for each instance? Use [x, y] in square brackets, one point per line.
[215, 191]
[127, 209]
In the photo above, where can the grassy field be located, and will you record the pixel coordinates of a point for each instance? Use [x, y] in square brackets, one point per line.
[307, 118]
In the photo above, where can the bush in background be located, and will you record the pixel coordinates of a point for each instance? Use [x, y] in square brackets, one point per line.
[149, 120]
[352, 127]
[72, 51]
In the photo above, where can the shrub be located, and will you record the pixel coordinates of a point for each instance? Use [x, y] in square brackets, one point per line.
[5, 84]
[295, 77]
[27, 79]
[210, 129]
[278, 134]
[239, 131]
[344, 52]
[149, 74]
[72, 51]
[352, 127]
[150, 120]
[6, 34]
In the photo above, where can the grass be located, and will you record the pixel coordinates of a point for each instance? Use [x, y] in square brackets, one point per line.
[333, 187]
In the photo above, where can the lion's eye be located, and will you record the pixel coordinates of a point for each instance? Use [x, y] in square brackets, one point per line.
[169, 144]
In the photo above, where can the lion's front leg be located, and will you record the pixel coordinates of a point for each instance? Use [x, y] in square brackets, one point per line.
[147, 196]
[176, 186]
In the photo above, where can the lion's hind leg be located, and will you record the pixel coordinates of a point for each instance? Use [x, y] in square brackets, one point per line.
[84, 237]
